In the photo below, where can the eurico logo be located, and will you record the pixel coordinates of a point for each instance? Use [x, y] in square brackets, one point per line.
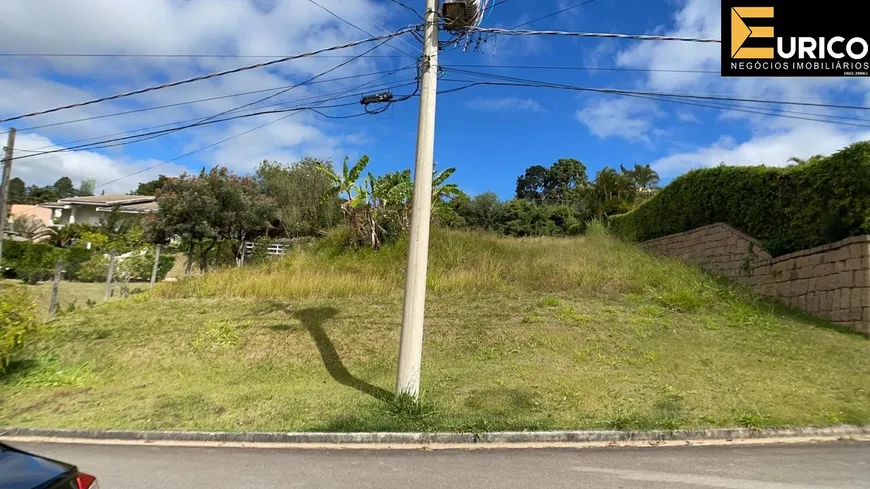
[836, 47]
[781, 38]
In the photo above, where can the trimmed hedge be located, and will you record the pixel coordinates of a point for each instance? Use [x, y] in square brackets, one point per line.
[788, 209]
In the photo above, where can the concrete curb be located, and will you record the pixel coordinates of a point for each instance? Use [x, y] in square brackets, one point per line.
[469, 439]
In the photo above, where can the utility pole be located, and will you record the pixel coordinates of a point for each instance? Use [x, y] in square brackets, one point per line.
[4, 188]
[411, 343]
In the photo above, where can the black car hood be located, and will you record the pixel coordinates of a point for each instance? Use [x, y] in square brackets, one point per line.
[20, 470]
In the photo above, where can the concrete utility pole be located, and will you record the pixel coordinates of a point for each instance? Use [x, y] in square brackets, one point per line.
[411, 343]
[4, 188]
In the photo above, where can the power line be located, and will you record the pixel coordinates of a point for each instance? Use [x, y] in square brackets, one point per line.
[665, 98]
[211, 75]
[196, 101]
[571, 7]
[219, 142]
[120, 141]
[584, 68]
[145, 137]
[124, 55]
[335, 96]
[115, 142]
[397, 2]
[340, 95]
[639, 37]
[496, 4]
[689, 96]
[360, 28]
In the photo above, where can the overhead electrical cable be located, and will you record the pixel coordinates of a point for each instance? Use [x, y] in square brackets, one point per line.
[330, 12]
[215, 144]
[210, 75]
[659, 97]
[412, 9]
[570, 7]
[680, 95]
[638, 37]
[145, 137]
[341, 94]
[196, 101]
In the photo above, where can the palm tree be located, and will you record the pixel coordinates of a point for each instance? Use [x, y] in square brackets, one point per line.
[32, 228]
[643, 177]
[801, 161]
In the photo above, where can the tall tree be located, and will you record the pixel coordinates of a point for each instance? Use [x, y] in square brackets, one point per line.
[151, 188]
[303, 194]
[643, 177]
[207, 209]
[532, 184]
[40, 195]
[64, 188]
[484, 211]
[17, 191]
[564, 179]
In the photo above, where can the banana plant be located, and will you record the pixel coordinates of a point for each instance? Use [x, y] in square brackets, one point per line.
[346, 183]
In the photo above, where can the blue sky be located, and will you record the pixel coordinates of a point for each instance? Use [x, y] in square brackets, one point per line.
[490, 134]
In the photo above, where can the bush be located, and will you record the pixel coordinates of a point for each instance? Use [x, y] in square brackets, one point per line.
[17, 320]
[138, 267]
[73, 259]
[789, 209]
[94, 269]
[34, 262]
[38, 262]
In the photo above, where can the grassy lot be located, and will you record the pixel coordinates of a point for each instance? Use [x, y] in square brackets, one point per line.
[76, 294]
[520, 334]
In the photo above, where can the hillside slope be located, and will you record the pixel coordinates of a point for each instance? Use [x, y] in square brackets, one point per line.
[521, 334]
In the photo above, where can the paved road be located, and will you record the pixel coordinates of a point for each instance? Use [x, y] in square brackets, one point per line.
[832, 465]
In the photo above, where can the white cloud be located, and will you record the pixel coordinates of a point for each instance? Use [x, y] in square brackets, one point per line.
[770, 150]
[244, 27]
[627, 118]
[83, 165]
[686, 116]
[503, 104]
[772, 140]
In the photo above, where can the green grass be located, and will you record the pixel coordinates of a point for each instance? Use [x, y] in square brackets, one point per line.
[520, 334]
[75, 294]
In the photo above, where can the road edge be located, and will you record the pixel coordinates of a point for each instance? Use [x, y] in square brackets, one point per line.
[528, 439]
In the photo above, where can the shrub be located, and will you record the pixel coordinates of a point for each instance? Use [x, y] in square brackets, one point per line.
[94, 269]
[38, 262]
[788, 209]
[73, 259]
[17, 320]
[138, 267]
[34, 262]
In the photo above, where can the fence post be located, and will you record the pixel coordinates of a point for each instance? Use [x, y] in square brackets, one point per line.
[156, 262]
[244, 252]
[52, 305]
[110, 275]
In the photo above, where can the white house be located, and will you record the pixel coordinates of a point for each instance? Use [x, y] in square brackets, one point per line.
[93, 209]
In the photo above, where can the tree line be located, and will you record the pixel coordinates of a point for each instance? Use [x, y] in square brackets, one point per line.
[559, 199]
[63, 188]
[214, 212]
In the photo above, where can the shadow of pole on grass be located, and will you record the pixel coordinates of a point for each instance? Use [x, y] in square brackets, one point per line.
[312, 319]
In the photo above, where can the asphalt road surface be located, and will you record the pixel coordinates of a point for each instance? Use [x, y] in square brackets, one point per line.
[829, 465]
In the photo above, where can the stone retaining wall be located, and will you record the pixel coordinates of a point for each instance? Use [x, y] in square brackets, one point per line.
[830, 281]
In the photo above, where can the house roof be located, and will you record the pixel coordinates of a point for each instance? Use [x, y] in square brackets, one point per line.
[102, 201]
[142, 208]
[109, 200]
[20, 210]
